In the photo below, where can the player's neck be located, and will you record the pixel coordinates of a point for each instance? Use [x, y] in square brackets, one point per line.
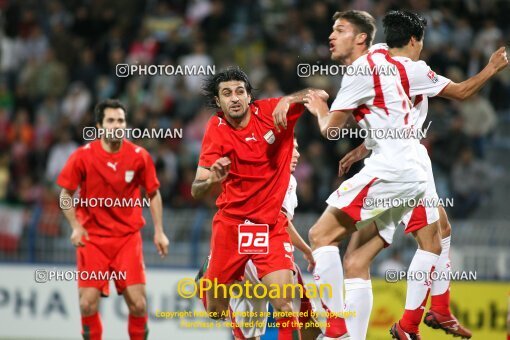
[111, 147]
[356, 53]
[239, 123]
[399, 52]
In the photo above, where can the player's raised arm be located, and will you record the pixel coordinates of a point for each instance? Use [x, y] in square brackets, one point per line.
[465, 89]
[205, 178]
[160, 240]
[282, 108]
[70, 214]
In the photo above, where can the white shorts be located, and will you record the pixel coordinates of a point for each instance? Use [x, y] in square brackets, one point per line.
[245, 308]
[368, 199]
[427, 213]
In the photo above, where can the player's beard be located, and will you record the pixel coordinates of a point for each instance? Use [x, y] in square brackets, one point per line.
[238, 114]
[114, 139]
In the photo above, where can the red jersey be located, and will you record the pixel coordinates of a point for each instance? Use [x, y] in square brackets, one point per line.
[101, 174]
[260, 170]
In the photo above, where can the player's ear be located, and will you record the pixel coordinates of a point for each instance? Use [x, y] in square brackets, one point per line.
[217, 101]
[361, 38]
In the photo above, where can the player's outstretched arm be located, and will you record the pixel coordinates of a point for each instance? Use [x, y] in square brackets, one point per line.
[160, 240]
[282, 108]
[70, 214]
[205, 179]
[326, 119]
[299, 243]
[469, 87]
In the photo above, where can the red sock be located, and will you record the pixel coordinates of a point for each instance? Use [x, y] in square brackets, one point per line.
[335, 327]
[411, 319]
[441, 303]
[92, 329]
[137, 327]
[288, 329]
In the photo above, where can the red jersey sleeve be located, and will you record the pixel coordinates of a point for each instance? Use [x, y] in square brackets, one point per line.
[211, 149]
[73, 172]
[268, 105]
[149, 178]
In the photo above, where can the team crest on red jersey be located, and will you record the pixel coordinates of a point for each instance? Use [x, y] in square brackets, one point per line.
[269, 137]
[128, 177]
[433, 76]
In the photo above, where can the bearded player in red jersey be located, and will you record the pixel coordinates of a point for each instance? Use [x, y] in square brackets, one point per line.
[108, 238]
[247, 148]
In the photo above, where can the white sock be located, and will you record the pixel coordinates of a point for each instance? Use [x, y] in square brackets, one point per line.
[418, 280]
[358, 299]
[443, 269]
[328, 271]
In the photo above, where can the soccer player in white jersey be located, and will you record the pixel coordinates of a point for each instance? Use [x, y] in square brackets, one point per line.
[404, 34]
[374, 96]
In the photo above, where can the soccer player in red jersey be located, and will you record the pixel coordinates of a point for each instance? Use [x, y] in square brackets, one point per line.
[247, 148]
[108, 238]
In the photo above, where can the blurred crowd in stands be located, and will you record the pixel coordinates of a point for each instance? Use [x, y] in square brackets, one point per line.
[58, 59]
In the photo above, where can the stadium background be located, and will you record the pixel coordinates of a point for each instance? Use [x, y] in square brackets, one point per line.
[58, 59]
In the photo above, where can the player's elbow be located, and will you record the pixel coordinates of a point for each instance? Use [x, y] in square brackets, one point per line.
[196, 193]
[331, 130]
[457, 91]
[463, 94]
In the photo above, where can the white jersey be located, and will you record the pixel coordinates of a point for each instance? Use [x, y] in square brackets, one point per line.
[290, 201]
[379, 102]
[419, 83]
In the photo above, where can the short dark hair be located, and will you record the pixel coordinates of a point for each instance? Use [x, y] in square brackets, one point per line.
[107, 104]
[363, 21]
[211, 85]
[400, 26]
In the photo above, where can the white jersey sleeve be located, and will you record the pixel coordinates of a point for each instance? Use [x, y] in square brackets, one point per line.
[290, 201]
[426, 82]
[354, 91]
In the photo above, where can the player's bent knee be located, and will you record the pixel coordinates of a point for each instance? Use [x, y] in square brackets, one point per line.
[355, 266]
[138, 307]
[88, 306]
[318, 238]
[446, 228]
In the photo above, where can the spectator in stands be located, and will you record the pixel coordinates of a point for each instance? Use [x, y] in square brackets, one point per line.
[479, 121]
[471, 179]
[59, 153]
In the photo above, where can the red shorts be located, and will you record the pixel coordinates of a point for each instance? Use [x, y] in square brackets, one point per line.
[227, 265]
[120, 256]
